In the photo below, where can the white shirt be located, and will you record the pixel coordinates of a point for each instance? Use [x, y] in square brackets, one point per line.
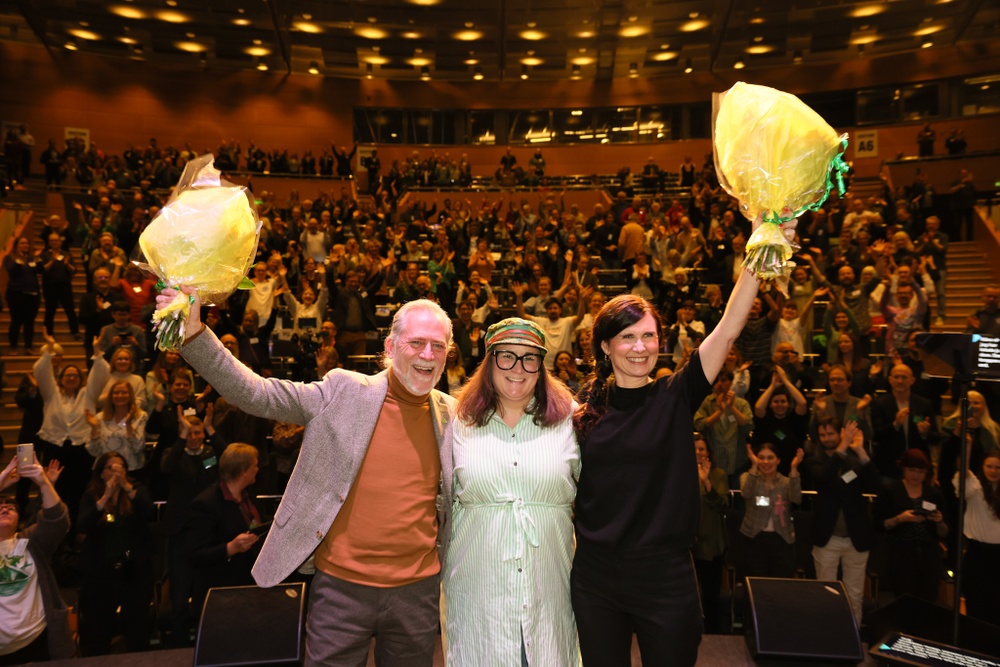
[22, 612]
[981, 524]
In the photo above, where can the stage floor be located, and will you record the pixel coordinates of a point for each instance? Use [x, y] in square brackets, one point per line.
[716, 651]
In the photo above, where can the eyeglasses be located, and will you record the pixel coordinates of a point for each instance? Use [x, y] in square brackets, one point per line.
[531, 363]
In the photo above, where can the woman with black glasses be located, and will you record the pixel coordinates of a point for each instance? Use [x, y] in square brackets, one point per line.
[516, 464]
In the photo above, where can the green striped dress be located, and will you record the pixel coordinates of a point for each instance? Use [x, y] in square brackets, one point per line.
[512, 545]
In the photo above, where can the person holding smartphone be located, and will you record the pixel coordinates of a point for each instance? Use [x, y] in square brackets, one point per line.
[32, 633]
[908, 510]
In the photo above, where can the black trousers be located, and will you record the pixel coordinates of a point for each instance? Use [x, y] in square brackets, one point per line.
[59, 294]
[649, 591]
[104, 590]
[769, 555]
[23, 311]
[710, 585]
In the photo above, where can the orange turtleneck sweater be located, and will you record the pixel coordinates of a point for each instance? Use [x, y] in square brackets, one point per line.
[386, 533]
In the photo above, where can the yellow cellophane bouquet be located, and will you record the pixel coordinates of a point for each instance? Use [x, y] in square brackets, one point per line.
[205, 238]
[776, 156]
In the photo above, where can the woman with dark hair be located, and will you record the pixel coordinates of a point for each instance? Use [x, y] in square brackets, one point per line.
[710, 548]
[516, 466]
[863, 373]
[909, 511]
[982, 539]
[637, 502]
[767, 523]
[23, 268]
[116, 562]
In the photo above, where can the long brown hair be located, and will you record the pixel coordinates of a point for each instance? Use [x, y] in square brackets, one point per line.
[614, 317]
[108, 413]
[990, 495]
[96, 485]
[478, 400]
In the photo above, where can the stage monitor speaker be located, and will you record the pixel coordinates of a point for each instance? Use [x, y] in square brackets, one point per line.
[249, 625]
[801, 619]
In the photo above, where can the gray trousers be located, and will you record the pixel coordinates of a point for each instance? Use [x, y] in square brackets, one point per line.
[344, 617]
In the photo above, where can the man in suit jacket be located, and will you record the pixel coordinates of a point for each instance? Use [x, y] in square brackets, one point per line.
[370, 494]
[841, 473]
[901, 420]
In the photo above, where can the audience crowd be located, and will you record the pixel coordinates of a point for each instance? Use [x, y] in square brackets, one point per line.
[825, 383]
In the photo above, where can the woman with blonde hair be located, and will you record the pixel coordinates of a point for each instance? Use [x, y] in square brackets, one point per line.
[120, 427]
[983, 435]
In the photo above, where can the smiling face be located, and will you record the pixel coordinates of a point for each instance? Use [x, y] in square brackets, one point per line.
[121, 395]
[180, 389]
[779, 405]
[123, 361]
[991, 468]
[767, 461]
[700, 450]
[633, 352]
[515, 387]
[418, 354]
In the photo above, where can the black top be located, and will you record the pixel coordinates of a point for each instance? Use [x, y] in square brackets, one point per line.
[639, 483]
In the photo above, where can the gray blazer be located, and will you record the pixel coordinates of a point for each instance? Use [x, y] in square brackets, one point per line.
[340, 413]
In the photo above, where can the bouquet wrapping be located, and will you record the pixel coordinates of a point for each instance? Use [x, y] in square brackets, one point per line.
[205, 238]
[779, 158]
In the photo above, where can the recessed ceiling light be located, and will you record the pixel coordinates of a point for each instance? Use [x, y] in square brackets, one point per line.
[172, 17]
[867, 10]
[758, 49]
[524, 72]
[376, 60]
[664, 46]
[468, 35]
[419, 62]
[262, 67]
[470, 24]
[313, 67]
[531, 24]
[410, 34]
[532, 62]
[663, 56]
[861, 40]
[307, 17]
[171, 3]
[585, 34]
[694, 25]
[583, 60]
[928, 30]
[757, 20]
[127, 12]
[633, 30]
[425, 74]
[633, 19]
[758, 39]
[927, 44]
[189, 35]
[797, 57]
[304, 26]
[191, 47]
[471, 61]
[688, 68]
[369, 32]
[532, 35]
[128, 40]
[71, 46]
[633, 70]
[424, 3]
[693, 15]
[84, 34]
[478, 74]
[372, 19]
[257, 42]
[738, 65]
[242, 22]
[257, 51]
[240, 10]
[575, 72]
[368, 70]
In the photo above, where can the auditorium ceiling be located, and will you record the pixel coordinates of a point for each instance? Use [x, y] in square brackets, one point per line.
[460, 40]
